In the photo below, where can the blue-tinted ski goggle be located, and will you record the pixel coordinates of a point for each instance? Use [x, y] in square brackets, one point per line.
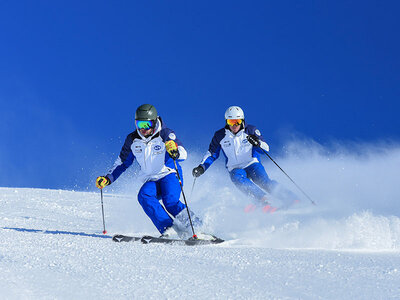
[145, 124]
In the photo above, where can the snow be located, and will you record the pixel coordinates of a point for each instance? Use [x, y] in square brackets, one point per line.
[346, 247]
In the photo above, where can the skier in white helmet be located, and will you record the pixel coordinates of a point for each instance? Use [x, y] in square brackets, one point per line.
[241, 143]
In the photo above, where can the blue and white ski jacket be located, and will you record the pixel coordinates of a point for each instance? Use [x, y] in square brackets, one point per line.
[155, 162]
[239, 153]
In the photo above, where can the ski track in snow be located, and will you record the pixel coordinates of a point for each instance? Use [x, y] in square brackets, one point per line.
[346, 247]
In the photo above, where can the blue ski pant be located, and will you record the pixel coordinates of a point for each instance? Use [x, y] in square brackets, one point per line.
[166, 189]
[253, 180]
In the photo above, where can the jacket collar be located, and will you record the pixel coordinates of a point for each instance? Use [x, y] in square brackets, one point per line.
[227, 131]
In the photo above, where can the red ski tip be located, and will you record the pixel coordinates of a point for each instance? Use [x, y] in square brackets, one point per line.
[105, 231]
[250, 208]
[272, 210]
[269, 209]
[266, 208]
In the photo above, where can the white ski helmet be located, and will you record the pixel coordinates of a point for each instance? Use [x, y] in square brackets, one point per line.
[234, 112]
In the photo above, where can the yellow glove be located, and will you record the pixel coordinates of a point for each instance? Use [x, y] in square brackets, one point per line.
[172, 149]
[102, 181]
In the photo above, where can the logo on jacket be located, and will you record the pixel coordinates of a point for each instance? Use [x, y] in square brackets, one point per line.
[245, 141]
[138, 149]
[226, 144]
[157, 147]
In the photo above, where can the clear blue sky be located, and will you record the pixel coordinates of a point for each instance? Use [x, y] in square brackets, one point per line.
[73, 73]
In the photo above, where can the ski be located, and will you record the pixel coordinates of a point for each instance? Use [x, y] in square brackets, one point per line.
[124, 238]
[147, 239]
[188, 242]
[268, 209]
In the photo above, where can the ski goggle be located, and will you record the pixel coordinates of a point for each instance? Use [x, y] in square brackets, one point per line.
[232, 122]
[145, 124]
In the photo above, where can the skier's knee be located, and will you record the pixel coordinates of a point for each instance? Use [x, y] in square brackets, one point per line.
[237, 175]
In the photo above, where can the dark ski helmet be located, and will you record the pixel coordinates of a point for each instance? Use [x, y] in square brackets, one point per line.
[146, 112]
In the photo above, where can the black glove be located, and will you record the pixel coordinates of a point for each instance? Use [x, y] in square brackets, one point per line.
[254, 140]
[198, 171]
[174, 154]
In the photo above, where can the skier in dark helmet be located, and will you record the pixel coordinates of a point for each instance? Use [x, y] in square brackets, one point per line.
[155, 147]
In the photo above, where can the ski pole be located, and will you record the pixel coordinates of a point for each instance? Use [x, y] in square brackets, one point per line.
[102, 211]
[184, 198]
[194, 181]
[288, 176]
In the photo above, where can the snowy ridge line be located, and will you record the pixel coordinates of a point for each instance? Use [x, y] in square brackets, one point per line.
[56, 232]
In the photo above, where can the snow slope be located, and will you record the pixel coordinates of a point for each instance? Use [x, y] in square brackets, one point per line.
[347, 247]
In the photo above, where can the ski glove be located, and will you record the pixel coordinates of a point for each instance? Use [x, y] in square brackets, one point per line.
[102, 181]
[254, 140]
[172, 149]
[198, 171]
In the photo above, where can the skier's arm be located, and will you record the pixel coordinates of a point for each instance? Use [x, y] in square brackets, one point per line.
[264, 146]
[212, 153]
[257, 140]
[181, 150]
[124, 161]
[257, 143]
[205, 164]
